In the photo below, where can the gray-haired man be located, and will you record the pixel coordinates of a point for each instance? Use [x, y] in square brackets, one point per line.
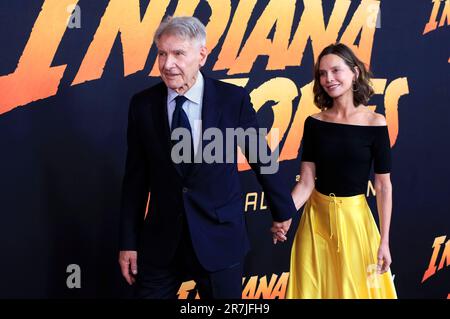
[195, 226]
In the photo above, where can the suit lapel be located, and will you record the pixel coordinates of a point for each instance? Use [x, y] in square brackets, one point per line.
[211, 113]
[161, 122]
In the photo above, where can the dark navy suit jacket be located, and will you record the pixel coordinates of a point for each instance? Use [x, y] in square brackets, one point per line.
[210, 196]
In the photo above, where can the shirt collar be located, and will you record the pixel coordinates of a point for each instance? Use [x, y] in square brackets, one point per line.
[194, 94]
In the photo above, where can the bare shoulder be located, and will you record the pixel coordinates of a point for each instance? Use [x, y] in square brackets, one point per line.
[319, 115]
[371, 118]
[377, 119]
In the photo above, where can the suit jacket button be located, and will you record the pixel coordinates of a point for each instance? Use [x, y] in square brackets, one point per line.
[185, 189]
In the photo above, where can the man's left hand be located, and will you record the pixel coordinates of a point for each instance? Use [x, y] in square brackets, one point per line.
[279, 230]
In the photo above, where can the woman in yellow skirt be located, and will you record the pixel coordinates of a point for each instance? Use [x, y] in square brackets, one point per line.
[338, 251]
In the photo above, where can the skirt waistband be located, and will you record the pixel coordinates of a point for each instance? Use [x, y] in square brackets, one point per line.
[346, 200]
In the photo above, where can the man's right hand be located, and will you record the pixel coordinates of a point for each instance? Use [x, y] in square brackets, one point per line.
[128, 265]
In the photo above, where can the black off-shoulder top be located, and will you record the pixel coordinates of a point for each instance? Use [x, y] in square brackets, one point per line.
[343, 155]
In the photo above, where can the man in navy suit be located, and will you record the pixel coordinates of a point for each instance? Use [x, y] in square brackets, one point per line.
[195, 225]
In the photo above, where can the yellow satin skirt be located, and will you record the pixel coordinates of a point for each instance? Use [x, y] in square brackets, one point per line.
[334, 254]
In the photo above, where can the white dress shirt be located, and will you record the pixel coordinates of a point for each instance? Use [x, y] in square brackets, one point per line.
[192, 107]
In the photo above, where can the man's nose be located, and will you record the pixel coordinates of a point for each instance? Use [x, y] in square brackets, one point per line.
[169, 62]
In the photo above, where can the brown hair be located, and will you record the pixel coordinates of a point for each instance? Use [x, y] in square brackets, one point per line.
[362, 87]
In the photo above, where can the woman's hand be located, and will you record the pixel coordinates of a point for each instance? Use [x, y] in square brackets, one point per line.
[384, 258]
[279, 230]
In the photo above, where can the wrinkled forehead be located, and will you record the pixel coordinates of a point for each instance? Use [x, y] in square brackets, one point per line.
[174, 39]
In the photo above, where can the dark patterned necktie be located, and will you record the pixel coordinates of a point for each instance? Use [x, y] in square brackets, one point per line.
[181, 120]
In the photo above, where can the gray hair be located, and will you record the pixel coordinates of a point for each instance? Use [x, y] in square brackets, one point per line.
[185, 27]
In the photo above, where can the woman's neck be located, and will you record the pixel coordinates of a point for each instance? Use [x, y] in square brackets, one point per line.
[343, 107]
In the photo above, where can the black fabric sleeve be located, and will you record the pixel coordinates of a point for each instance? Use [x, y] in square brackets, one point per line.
[275, 188]
[307, 142]
[381, 150]
[135, 185]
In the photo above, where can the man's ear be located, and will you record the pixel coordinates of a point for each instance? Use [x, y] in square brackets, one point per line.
[203, 55]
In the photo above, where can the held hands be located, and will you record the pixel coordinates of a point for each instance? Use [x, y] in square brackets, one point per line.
[128, 265]
[384, 258]
[279, 230]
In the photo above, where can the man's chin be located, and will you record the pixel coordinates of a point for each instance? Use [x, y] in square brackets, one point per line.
[172, 85]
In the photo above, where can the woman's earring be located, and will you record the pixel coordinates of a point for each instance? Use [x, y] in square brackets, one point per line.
[354, 86]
